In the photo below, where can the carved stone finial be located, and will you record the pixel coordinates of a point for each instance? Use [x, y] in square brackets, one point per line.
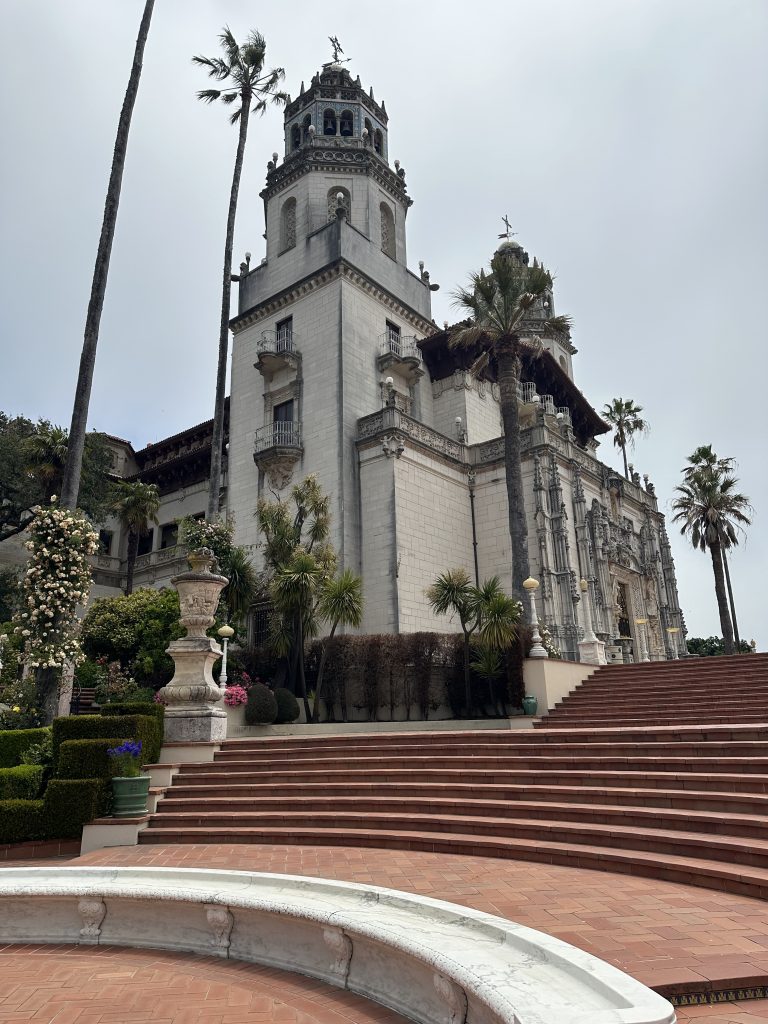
[92, 910]
[220, 921]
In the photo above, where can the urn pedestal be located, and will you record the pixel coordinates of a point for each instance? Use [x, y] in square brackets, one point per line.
[194, 710]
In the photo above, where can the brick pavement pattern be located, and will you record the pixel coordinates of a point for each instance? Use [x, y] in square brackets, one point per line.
[109, 985]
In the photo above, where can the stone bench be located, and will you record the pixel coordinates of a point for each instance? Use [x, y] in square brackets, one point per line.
[431, 961]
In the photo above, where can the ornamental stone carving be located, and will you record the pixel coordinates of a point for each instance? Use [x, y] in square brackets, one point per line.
[454, 997]
[92, 910]
[340, 946]
[220, 921]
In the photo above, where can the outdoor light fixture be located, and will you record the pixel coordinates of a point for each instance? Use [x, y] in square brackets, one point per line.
[537, 650]
[226, 633]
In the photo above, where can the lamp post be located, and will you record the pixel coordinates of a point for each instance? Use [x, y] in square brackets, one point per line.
[226, 633]
[673, 631]
[531, 586]
[642, 643]
[589, 633]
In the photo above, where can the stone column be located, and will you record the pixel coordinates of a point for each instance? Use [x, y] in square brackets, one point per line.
[591, 650]
[194, 713]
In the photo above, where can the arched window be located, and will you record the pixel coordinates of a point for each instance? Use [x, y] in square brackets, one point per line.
[305, 128]
[295, 137]
[329, 122]
[387, 230]
[563, 363]
[347, 123]
[369, 128]
[378, 142]
[288, 225]
[333, 201]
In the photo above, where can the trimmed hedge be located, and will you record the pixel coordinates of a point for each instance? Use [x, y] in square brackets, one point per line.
[87, 759]
[71, 803]
[21, 820]
[146, 728]
[135, 707]
[13, 742]
[287, 706]
[261, 708]
[21, 783]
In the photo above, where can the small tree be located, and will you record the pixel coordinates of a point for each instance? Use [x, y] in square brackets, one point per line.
[136, 506]
[340, 603]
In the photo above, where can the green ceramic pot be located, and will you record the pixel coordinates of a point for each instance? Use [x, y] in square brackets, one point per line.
[129, 796]
[530, 705]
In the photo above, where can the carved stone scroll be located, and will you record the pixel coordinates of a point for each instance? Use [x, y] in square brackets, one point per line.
[340, 946]
[92, 910]
[220, 921]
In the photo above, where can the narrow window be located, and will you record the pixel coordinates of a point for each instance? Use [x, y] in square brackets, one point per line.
[347, 124]
[288, 225]
[305, 129]
[369, 129]
[334, 201]
[282, 423]
[387, 230]
[378, 142]
[169, 535]
[283, 413]
[105, 542]
[329, 122]
[393, 338]
[563, 363]
[145, 543]
[284, 335]
[295, 137]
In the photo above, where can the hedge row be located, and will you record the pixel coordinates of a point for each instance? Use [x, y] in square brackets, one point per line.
[146, 728]
[13, 743]
[67, 806]
[87, 759]
[22, 782]
[136, 707]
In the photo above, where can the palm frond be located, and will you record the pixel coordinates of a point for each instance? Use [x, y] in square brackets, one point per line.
[208, 95]
[215, 67]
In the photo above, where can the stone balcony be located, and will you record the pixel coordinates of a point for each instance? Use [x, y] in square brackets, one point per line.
[277, 448]
[276, 350]
[401, 354]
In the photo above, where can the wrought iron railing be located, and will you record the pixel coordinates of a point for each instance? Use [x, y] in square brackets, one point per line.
[527, 392]
[278, 435]
[282, 340]
[392, 342]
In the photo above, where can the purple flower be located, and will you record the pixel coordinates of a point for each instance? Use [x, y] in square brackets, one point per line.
[127, 749]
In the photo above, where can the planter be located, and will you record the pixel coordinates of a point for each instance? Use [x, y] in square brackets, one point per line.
[129, 795]
[530, 705]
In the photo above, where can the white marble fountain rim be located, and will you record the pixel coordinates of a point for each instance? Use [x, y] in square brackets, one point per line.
[523, 976]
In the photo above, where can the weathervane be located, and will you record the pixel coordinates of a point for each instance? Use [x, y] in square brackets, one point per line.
[337, 50]
[508, 233]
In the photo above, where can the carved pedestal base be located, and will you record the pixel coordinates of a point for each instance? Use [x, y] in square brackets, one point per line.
[592, 652]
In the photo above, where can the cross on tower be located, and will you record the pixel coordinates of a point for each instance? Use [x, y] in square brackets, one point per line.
[508, 233]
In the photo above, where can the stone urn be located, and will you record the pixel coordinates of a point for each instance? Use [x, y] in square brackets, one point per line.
[194, 712]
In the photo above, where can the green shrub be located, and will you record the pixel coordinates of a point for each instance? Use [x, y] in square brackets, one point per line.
[287, 706]
[135, 707]
[261, 708]
[87, 759]
[20, 783]
[71, 803]
[13, 742]
[21, 820]
[146, 728]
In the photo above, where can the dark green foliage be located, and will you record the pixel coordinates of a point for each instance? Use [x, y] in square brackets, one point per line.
[424, 647]
[287, 706]
[21, 820]
[147, 729]
[714, 645]
[138, 707]
[135, 630]
[13, 742]
[20, 783]
[87, 759]
[261, 708]
[71, 803]
[10, 593]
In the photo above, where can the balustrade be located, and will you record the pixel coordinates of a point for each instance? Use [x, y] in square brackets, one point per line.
[278, 435]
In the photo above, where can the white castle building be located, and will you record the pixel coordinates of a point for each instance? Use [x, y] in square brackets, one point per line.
[339, 370]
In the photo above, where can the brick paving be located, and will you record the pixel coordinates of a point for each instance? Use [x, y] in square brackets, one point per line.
[109, 985]
[752, 1012]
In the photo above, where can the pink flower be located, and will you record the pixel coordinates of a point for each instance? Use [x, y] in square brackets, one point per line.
[235, 695]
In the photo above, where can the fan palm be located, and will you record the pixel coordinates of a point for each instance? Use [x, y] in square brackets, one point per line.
[244, 83]
[243, 585]
[704, 460]
[294, 590]
[624, 417]
[71, 483]
[710, 511]
[340, 604]
[46, 452]
[501, 307]
[136, 506]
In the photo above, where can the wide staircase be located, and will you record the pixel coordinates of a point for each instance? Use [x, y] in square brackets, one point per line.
[658, 770]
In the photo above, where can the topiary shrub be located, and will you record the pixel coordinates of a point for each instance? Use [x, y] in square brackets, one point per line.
[21, 820]
[287, 706]
[71, 803]
[135, 707]
[146, 728]
[13, 742]
[261, 708]
[20, 783]
[87, 759]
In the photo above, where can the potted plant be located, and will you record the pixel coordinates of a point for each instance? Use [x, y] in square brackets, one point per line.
[130, 788]
[530, 704]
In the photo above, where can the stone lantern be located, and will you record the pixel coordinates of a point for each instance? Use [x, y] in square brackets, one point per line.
[193, 712]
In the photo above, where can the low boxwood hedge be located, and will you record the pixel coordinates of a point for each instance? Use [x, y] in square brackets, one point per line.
[71, 803]
[21, 820]
[22, 782]
[136, 707]
[87, 759]
[287, 706]
[13, 742]
[147, 728]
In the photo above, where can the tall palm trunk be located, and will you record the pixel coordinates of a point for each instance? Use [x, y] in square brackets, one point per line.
[217, 442]
[715, 551]
[623, 447]
[130, 566]
[736, 637]
[74, 464]
[321, 673]
[509, 365]
[302, 677]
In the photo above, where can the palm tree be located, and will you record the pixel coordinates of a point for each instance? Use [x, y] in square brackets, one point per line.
[136, 505]
[46, 452]
[71, 483]
[704, 460]
[243, 585]
[241, 73]
[294, 590]
[624, 417]
[341, 604]
[501, 308]
[710, 511]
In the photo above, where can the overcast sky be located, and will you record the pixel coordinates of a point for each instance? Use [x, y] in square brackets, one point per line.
[625, 139]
